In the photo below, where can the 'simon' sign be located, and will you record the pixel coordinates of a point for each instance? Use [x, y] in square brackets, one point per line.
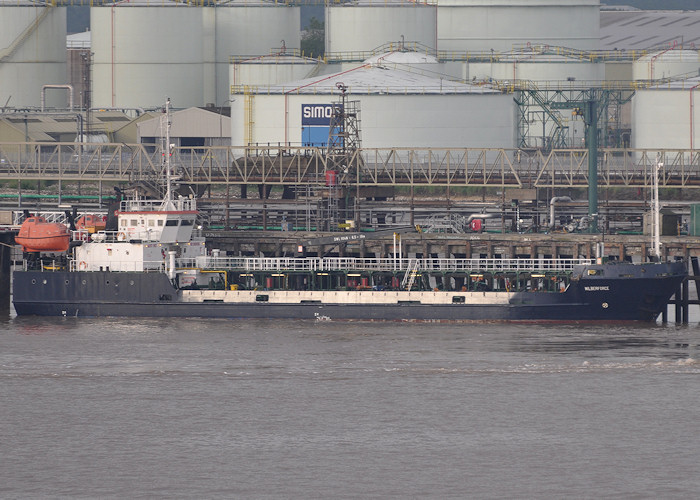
[315, 123]
[317, 114]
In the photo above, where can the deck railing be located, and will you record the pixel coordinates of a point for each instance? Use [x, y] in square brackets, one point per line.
[387, 264]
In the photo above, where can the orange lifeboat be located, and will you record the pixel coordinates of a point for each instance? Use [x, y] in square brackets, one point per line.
[37, 235]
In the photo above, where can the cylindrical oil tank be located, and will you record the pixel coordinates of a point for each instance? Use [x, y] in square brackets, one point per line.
[181, 50]
[366, 26]
[253, 28]
[666, 64]
[668, 116]
[536, 67]
[249, 29]
[401, 121]
[398, 109]
[32, 54]
[482, 25]
[271, 70]
[145, 54]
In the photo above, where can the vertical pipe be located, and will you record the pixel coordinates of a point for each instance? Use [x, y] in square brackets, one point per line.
[112, 55]
[692, 117]
[592, 143]
[685, 301]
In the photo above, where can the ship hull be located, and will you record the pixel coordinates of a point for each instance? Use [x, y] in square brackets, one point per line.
[633, 293]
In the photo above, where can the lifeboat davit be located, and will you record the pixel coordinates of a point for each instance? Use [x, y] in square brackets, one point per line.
[37, 235]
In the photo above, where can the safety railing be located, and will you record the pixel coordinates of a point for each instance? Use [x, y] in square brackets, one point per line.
[351, 264]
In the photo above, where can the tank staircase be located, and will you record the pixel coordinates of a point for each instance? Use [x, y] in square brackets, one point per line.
[10, 49]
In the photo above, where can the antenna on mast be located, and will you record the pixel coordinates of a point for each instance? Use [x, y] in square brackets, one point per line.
[166, 151]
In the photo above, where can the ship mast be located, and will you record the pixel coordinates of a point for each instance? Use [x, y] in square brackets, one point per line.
[165, 148]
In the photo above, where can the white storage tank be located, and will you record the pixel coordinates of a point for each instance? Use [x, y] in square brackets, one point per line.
[398, 108]
[32, 54]
[272, 70]
[147, 51]
[667, 116]
[366, 26]
[144, 53]
[252, 28]
[537, 64]
[666, 64]
[482, 25]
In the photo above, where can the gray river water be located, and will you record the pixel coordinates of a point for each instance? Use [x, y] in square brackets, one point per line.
[165, 408]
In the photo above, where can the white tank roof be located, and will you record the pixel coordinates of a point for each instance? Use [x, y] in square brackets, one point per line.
[376, 79]
[538, 54]
[400, 57]
[671, 56]
[274, 59]
[684, 84]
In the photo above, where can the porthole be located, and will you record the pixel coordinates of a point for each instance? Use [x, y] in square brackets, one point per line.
[131, 282]
[605, 305]
[33, 282]
[84, 282]
[66, 282]
[44, 282]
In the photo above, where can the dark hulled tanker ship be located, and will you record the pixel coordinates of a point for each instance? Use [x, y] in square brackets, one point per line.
[154, 265]
[607, 292]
